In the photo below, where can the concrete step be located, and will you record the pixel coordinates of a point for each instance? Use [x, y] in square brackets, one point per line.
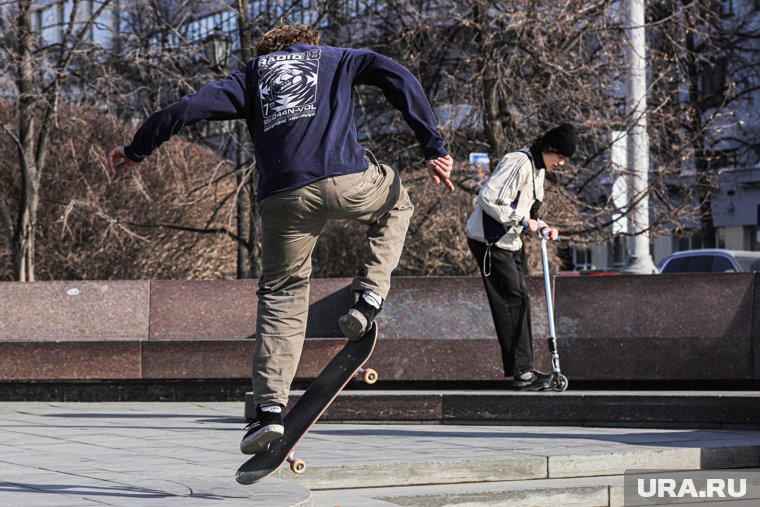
[695, 409]
[386, 456]
[607, 491]
[586, 492]
[515, 468]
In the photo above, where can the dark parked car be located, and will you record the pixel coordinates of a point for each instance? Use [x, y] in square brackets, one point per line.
[711, 260]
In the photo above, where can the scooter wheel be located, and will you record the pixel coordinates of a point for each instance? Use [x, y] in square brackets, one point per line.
[559, 383]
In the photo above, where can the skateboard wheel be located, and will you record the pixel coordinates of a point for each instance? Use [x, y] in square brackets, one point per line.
[369, 376]
[559, 382]
[298, 466]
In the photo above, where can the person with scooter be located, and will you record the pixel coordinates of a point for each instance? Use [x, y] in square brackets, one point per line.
[508, 203]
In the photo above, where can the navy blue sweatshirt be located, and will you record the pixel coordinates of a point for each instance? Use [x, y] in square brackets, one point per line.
[298, 107]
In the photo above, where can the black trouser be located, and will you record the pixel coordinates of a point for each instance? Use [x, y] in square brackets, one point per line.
[510, 304]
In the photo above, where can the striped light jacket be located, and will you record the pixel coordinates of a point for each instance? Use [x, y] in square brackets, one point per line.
[508, 197]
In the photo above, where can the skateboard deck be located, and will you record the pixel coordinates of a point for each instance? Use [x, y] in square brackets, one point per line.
[320, 394]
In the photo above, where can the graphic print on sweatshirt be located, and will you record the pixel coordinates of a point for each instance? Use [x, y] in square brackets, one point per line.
[288, 86]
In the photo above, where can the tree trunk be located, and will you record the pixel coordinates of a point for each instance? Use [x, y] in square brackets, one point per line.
[253, 218]
[496, 117]
[243, 268]
[701, 158]
[22, 244]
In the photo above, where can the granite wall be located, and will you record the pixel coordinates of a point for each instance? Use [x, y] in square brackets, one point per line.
[674, 327]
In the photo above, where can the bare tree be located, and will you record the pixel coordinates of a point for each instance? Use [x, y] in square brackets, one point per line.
[168, 36]
[39, 74]
[712, 62]
[497, 73]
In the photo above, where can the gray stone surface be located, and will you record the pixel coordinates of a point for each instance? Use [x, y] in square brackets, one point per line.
[128, 454]
[564, 451]
[197, 359]
[684, 328]
[456, 305]
[756, 335]
[469, 359]
[227, 309]
[702, 409]
[179, 454]
[525, 495]
[662, 327]
[666, 306]
[68, 360]
[75, 310]
[197, 310]
[696, 408]
[431, 314]
[422, 467]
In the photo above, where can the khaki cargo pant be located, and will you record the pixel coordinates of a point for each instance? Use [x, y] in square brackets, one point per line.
[291, 224]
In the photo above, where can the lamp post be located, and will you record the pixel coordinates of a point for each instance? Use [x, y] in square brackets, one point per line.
[640, 260]
[217, 47]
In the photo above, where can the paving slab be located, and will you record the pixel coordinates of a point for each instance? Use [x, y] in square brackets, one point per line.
[178, 454]
[76, 454]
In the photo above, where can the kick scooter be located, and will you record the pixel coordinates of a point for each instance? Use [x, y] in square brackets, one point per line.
[558, 381]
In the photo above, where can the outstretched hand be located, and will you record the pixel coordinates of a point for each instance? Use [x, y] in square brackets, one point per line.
[118, 154]
[439, 170]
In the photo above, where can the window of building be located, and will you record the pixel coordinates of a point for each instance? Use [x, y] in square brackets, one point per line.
[582, 259]
[726, 8]
[714, 82]
[106, 25]
[720, 237]
[692, 242]
[89, 11]
[618, 252]
[725, 159]
[754, 237]
[361, 6]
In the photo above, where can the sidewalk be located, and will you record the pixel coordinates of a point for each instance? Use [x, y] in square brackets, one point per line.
[186, 454]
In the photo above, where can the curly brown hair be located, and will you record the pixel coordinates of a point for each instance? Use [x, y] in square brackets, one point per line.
[285, 35]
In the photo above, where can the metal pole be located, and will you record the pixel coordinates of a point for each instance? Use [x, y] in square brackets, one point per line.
[640, 260]
[548, 288]
[241, 201]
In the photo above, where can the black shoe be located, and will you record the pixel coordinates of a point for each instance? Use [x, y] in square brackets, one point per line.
[538, 381]
[265, 429]
[358, 320]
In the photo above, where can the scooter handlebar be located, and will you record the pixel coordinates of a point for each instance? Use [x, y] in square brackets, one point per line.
[542, 236]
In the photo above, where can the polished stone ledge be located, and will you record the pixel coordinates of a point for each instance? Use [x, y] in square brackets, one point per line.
[665, 327]
[697, 409]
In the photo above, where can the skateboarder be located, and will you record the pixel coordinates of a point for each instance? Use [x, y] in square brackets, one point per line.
[511, 197]
[296, 98]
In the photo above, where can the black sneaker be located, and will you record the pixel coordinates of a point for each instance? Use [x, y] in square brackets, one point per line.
[358, 319]
[538, 381]
[265, 429]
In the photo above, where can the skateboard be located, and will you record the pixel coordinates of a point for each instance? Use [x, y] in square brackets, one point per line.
[345, 366]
